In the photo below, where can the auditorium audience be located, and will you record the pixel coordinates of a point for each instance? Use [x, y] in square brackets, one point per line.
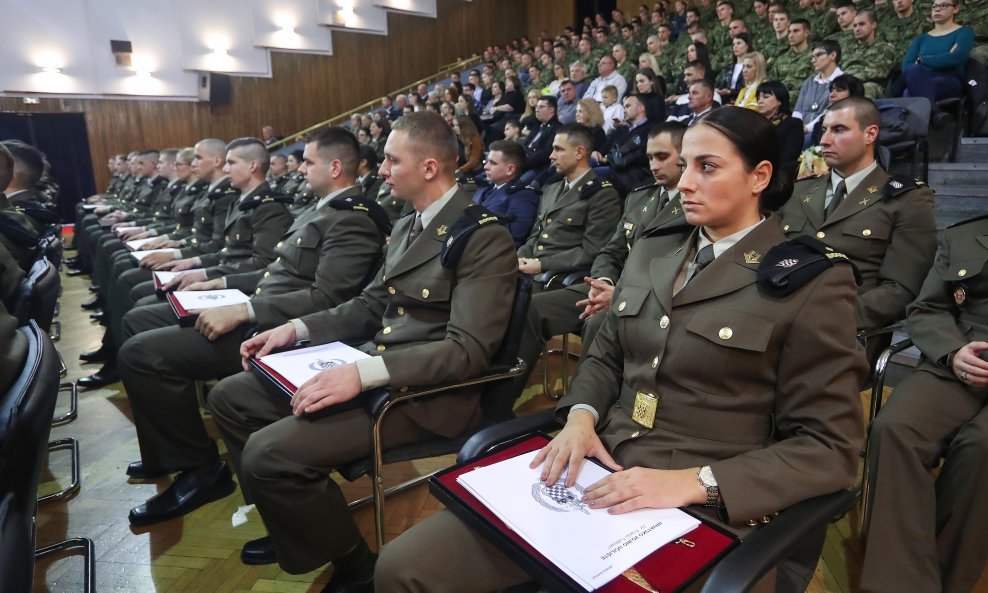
[773, 103]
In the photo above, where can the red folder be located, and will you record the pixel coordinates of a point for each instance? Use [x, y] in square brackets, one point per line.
[185, 319]
[159, 288]
[278, 386]
[668, 569]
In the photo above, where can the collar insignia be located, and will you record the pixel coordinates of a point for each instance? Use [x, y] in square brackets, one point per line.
[752, 257]
[873, 188]
[441, 230]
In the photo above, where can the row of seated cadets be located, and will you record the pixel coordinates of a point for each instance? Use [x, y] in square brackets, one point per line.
[25, 214]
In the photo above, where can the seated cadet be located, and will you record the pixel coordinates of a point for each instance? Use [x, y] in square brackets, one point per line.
[506, 196]
[21, 192]
[278, 173]
[324, 259]
[926, 532]
[367, 178]
[752, 420]
[90, 221]
[651, 208]
[435, 314]
[883, 223]
[576, 215]
[18, 236]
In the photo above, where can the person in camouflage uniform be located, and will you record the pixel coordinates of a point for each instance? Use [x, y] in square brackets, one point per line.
[793, 66]
[719, 34]
[759, 23]
[625, 66]
[779, 42]
[869, 58]
[903, 25]
[823, 21]
[629, 41]
[846, 11]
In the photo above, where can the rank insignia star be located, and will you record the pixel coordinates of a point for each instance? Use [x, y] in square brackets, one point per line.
[675, 211]
[441, 230]
[807, 199]
[872, 188]
[752, 257]
[864, 201]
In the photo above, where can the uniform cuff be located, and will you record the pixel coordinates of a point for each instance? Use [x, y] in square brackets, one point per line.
[607, 280]
[177, 253]
[301, 331]
[251, 317]
[373, 373]
[596, 416]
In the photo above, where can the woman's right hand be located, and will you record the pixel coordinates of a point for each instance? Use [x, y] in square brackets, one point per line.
[575, 442]
[263, 343]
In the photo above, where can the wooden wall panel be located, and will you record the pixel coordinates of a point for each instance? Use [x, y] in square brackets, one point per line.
[305, 89]
[550, 15]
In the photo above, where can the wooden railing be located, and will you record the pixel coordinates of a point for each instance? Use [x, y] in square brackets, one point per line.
[443, 73]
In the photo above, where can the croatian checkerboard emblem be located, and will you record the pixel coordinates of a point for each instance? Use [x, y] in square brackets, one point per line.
[896, 184]
[787, 263]
[321, 365]
[559, 498]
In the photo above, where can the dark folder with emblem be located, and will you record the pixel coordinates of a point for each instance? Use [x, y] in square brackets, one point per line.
[186, 304]
[282, 373]
[669, 569]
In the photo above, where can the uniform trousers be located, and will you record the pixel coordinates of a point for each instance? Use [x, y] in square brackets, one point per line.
[284, 462]
[928, 534]
[159, 368]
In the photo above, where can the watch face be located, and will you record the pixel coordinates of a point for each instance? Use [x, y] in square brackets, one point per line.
[707, 476]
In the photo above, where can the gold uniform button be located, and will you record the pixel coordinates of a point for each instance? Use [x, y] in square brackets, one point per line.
[280, 243]
[664, 322]
[821, 235]
[391, 290]
[298, 241]
[726, 333]
[545, 235]
[541, 248]
[548, 221]
[279, 258]
[193, 229]
[425, 293]
[258, 291]
[380, 347]
[655, 362]
[569, 220]
[386, 331]
[401, 311]
[785, 228]
[622, 306]
[866, 232]
[962, 273]
[267, 274]
[203, 219]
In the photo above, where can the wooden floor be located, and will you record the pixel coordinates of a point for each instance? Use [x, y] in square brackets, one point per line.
[200, 552]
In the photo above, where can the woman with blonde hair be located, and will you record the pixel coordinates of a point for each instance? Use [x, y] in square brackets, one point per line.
[589, 113]
[753, 74]
[647, 60]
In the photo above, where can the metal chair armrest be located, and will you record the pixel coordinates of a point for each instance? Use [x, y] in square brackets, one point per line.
[486, 439]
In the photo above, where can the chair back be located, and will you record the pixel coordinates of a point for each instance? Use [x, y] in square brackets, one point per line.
[51, 248]
[496, 402]
[919, 109]
[26, 412]
[38, 295]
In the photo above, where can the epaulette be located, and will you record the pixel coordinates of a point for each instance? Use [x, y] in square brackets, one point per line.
[158, 181]
[790, 265]
[196, 188]
[38, 212]
[900, 184]
[662, 231]
[969, 220]
[644, 187]
[473, 217]
[223, 189]
[16, 232]
[592, 187]
[265, 198]
[377, 214]
[513, 188]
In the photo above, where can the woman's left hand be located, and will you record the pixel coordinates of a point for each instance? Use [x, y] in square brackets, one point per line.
[640, 488]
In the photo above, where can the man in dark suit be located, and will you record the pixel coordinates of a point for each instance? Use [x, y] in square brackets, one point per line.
[538, 147]
[425, 321]
[508, 197]
[626, 156]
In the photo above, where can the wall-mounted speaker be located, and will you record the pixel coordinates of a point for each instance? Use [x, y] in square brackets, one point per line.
[215, 88]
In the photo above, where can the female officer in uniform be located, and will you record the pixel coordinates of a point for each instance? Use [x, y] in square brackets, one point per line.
[725, 375]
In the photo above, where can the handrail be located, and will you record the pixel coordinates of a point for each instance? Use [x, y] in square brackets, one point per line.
[443, 72]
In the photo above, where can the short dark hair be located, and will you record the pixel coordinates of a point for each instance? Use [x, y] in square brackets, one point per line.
[578, 135]
[803, 22]
[254, 149]
[675, 129]
[755, 141]
[779, 91]
[29, 162]
[849, 83]
[431, 135]
[830, 46]
[864, 110]
[6, 167]
[338, 143]
[513, 152]
[367, 154]
[870, 15]
[551, 100]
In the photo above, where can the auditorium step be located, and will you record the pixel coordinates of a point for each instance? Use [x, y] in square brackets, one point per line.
[955, 203]
[973, 150]
[960, 173]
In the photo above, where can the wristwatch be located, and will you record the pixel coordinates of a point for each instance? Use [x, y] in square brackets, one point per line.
[705, 475]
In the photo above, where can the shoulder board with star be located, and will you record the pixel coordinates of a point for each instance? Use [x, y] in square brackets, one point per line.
[968, 221]
[809, 179]
[159, 182]
[38, 211]
[593, 186]
[196, 188]
[473, 217]
[222, 190]
[16, 232]
[371, 208]
[262, 198]
[900, 184]
[790, 265]
[513, 188]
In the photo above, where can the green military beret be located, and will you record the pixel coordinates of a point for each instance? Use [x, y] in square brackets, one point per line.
[900, 184]
[790, 265]
[473, 217]
[360, 204]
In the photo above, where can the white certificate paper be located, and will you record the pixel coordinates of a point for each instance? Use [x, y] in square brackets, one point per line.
[123, 229]
[164, 278]
[590, 545]
[298, 366]
[139, 255]
[197, 300]
[138, 243]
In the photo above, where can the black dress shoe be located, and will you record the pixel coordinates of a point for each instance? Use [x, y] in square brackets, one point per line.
[104, 354]
[136, 470]
[259, 551]
[350, 583]
[107, 375]
[76, 272]
[94, 288]
[72, 261]
[96, 303]
[96, 316]
[190, 490]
